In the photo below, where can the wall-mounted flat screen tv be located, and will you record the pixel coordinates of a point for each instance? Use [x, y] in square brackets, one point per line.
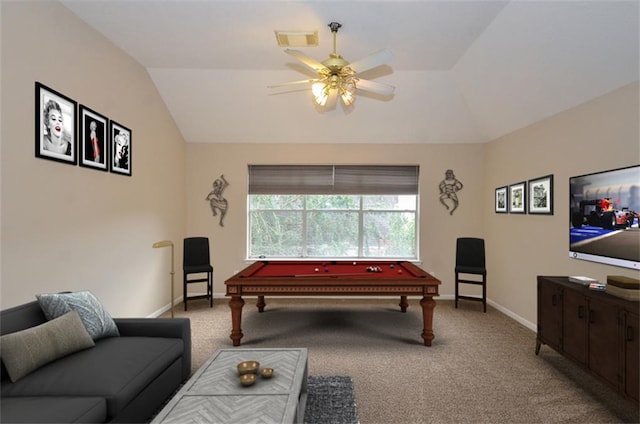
[604, 214]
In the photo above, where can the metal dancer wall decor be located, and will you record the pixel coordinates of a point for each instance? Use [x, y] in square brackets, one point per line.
[448, 191]
[216, 201]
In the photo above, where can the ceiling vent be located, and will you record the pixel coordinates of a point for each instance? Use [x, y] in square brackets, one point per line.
[297, 38]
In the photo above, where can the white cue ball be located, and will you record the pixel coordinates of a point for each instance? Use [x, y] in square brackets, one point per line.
[354, 263]
[316, 270]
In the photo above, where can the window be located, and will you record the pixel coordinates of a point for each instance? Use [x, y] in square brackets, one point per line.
[327, 211]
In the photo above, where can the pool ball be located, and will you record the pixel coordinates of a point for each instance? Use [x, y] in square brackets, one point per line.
[354, 263]
[316, 270]
[391, 266]
[399, 271]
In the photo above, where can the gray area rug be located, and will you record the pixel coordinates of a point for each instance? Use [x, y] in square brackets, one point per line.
[330, 400]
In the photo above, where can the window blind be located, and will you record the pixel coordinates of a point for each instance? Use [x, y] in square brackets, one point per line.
[333, 179]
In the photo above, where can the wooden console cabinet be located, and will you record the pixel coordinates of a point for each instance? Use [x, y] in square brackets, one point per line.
[599, 331]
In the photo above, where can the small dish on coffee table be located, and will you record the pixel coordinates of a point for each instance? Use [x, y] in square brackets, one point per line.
[248, 367]
[248, 379]
[266, 372]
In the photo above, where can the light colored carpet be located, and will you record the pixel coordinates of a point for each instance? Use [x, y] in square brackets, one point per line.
[481, 368]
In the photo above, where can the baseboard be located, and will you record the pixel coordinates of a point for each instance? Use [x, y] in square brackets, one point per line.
[165, 308]
[531, 326]
[507, 312]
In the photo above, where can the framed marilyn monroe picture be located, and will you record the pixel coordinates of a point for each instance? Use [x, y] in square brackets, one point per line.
[55, 133]
[120, 156]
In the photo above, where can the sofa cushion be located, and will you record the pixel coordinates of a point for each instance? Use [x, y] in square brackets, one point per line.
[117, 368]
[27, 350]
[96, 319]
[53, 410]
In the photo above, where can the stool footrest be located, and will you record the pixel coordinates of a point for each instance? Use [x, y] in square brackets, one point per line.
[478, 299]
[199, 296]
[199, 280]
[471, 282]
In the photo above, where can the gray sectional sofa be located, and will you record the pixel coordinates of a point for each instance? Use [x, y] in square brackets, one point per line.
[125, 378]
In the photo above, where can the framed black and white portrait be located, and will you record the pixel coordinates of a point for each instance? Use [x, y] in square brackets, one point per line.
[502, 200]
[541, 195]
[120, 145]
[93, 145]
[55, 133]
[518, 198]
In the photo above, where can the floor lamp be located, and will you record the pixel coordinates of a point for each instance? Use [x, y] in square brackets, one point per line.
[167, 243]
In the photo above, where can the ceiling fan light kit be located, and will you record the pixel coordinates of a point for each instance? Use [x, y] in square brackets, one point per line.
[338, 77]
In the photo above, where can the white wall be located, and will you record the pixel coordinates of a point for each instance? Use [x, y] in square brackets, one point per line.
[72, 228]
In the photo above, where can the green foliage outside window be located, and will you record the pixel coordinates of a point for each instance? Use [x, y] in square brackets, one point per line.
[333, 226]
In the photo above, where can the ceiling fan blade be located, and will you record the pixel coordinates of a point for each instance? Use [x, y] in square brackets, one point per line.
[311, 63]
[375, 87]
[287, 84]
[376, 59]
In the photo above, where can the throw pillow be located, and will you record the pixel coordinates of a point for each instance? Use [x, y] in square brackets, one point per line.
[25, 351]
[95, 318]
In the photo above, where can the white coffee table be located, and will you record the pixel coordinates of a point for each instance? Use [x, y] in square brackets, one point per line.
[214, 393]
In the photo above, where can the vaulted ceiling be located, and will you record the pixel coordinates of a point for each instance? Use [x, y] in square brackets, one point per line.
[464, 71]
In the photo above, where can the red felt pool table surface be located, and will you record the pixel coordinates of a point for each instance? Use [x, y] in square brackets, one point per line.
[333, 269]
[332, 278]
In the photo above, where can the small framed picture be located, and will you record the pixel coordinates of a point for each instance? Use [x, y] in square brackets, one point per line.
[518, 198]
[120, 151]
[502, 200]
[56, 116]
[541, 195]
[93, 146]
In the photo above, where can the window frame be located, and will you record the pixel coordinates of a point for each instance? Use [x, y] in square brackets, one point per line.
[354, 180]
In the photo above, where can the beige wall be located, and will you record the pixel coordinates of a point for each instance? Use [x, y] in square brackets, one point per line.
[438, 229]
[72, 228]
[602, 134]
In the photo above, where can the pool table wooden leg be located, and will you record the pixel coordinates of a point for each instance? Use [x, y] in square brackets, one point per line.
[428, 304]
[236, 303]
[260, 304]
[403, 303]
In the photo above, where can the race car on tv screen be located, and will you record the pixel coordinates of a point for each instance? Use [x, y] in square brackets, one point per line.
[602, 213]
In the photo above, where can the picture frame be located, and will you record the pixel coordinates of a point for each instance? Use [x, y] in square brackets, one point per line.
[55, 125]
[518, 198]
[541, 195]
[92, 144]
[502, 200]
[120, 157]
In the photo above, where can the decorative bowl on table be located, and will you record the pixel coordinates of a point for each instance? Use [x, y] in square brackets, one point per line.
[248, 379]
[266, 372]
[248, 367]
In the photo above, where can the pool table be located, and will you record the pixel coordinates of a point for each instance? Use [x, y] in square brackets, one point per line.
[332, 278]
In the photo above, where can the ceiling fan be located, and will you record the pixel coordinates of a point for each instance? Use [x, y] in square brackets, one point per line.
[336, 76]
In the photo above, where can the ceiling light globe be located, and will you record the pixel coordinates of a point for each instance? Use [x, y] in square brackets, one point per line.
[320, 95]
[348, 98]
